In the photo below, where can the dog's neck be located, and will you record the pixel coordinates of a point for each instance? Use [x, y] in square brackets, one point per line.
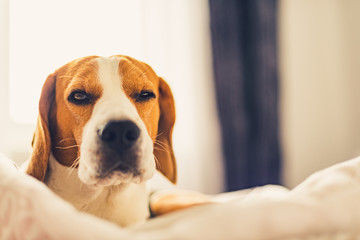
[124, 204]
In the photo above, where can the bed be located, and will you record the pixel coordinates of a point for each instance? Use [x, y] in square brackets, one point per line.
[324, 206]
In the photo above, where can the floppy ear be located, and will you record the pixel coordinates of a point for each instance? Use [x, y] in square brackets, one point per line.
[164, 154]
[41, 141]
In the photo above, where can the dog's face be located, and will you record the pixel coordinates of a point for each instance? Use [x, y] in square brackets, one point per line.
[105, 116]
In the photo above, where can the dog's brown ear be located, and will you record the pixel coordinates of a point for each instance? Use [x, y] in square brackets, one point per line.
[163, 150]
[41, 141]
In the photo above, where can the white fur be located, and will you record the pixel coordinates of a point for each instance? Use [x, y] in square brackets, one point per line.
[125, 204]
[121, 198]
[113, 105]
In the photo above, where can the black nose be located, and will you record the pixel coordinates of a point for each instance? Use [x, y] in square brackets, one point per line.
[120, 135]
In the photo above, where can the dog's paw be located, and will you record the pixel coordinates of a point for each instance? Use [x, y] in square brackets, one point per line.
[166, 201]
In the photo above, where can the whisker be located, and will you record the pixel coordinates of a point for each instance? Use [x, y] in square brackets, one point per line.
[162, 145]
[157, 162]
[66, 139]
[75, 162]
[154, 139]
[68, 147]
[73, 166]
[161, 149]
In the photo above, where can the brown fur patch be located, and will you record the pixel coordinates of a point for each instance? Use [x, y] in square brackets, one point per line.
[61, 123]
[67, 119]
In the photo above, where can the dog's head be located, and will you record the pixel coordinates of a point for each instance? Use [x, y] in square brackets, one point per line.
[112, 118]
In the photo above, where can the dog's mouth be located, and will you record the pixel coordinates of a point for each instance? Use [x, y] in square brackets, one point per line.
[117, 177]
[120, 167]
[105, 174]
[104, 165]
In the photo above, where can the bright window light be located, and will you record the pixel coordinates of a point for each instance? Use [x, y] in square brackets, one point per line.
[173, 37]
[45, 34]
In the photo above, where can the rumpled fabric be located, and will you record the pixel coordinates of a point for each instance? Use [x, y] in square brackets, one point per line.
[324, 206]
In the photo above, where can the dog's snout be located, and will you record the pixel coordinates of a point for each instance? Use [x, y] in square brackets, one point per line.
[120, 135]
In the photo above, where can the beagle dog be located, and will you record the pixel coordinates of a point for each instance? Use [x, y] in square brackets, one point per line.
[104, 127]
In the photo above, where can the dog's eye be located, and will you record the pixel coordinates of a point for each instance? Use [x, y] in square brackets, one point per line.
[80, 97]
[144, 96]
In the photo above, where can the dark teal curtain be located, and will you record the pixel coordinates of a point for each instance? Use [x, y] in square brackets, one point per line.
[244, 46]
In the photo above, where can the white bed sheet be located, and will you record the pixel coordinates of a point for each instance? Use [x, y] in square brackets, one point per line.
[325, 206]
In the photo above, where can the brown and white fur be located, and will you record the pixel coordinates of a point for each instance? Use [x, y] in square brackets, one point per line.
[104, 127]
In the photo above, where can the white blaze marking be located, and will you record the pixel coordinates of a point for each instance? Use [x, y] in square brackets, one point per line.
[113, 105]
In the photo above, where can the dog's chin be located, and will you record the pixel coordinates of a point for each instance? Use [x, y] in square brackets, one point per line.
[114, 178]
[117, 179]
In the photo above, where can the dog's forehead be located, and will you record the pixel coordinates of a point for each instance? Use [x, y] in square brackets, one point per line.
[93, 70]
[132, 70]
[82, 67]
[78, 74]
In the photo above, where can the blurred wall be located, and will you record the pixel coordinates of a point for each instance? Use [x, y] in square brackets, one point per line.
[172, 36]
[319, 43]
